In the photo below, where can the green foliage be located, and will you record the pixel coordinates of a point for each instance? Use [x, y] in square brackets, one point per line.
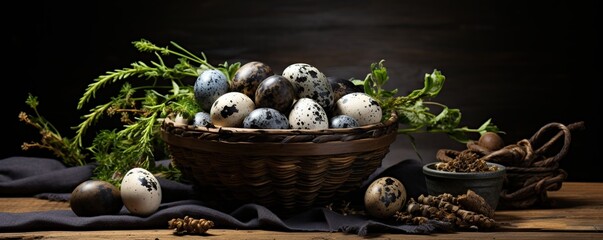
[148, 93]
[413, 110]
[51, 139]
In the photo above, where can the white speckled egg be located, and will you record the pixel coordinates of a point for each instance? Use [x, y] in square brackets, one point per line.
[140, 192]
[180, 119]
[360, 106]
[210, 85]
[343, 121]
[310, 83]
[266, 118]
[384, 197]
[230, 109]
[308, 114]
[202, 119]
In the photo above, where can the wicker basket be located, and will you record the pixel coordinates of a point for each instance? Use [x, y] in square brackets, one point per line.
[282, 169]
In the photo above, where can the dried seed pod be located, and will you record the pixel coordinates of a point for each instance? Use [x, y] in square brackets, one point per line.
[463, 211]
[476, 203]
[466, 161]
[190, 225]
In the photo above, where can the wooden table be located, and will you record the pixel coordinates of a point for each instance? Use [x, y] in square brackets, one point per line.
[577, 213]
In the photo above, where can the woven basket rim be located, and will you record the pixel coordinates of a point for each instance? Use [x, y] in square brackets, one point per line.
[307, 148]
[281, 142]
[393, 119]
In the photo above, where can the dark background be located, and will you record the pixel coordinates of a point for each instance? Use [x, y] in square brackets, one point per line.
[522, 63]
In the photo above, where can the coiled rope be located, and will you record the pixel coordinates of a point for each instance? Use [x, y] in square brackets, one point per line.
[532, 164]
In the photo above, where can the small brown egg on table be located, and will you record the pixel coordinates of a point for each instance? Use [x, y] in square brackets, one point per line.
[384, 197]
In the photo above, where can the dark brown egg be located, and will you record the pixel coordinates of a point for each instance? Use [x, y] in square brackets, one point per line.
[94, 198]
[342, 87]
[491, 141]
[275, 92]
[249, 76]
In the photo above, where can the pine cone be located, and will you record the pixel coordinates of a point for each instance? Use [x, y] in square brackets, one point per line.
[190, 225]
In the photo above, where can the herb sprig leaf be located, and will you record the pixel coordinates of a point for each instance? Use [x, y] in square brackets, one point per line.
[413, 110]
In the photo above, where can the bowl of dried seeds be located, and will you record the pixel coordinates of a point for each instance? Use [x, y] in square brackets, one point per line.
[456, 177]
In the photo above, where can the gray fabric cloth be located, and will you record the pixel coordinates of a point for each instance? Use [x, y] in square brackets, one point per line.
[50, 179]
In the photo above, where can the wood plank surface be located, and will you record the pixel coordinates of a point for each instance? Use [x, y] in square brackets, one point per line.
[576, 212]
[18, 205]
[575, 207]
[261, 234]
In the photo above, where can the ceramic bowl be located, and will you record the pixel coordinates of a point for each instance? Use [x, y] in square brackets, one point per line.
[487, 184]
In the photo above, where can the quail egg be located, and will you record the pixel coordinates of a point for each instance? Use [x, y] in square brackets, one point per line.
[202, 119]
[140, 192]
[247, 78]
[181, 119]
[230, 109]
[266, 118]
[308, 114]
[360, 106]
[95, 198]
[310, 83]
[384, 196]
[275, 92]
[210, 85]
[341, 87]
[343, 121]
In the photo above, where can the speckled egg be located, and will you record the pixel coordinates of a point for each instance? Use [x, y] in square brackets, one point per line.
[275, 92]
[202, 119]
[95, 198]
[343, 121]
[308, 114]
[180, 119]
[310, 83]
[210, 85]
[266, 118]
[384, 196]
[140, 192]
[341, 87]
[248, 77]
[230, 109]
[360, 106]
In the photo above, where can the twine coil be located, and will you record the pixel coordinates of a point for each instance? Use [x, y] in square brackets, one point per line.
[532, 165]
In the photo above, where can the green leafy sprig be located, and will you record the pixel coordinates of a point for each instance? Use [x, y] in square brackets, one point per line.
[149, 92]
[413, 110]
[189, 65]
[51, 138]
